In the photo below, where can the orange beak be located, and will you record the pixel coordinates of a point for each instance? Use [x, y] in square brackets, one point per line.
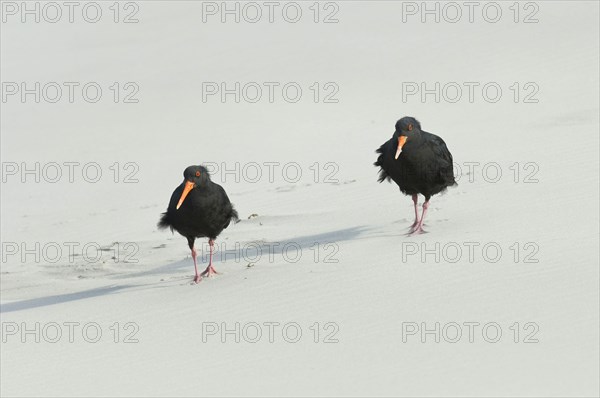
[188, 187]
[401, 142]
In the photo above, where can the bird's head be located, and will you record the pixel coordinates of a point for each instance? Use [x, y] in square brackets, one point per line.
[193, 177]
[406, 128]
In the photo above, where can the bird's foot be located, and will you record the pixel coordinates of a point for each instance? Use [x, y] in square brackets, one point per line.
[210, 271]
[416, 230]
[197, 279]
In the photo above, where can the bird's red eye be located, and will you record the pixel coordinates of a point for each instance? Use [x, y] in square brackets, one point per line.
[198, 174]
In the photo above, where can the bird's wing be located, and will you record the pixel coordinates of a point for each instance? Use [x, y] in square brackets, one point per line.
[443, 155]
[233, 215]
[441, 150]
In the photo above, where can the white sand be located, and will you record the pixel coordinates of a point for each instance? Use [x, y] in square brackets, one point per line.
[356, 275]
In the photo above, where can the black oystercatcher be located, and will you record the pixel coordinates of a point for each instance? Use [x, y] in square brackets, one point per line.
[419, 162]
[198, 208]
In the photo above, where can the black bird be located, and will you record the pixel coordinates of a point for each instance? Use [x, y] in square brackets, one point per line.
[198, 208]
[419, 162]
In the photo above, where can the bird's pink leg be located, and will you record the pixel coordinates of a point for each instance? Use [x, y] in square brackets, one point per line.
[210, 270]
[197, 278]
[415, 199]
[419, 227]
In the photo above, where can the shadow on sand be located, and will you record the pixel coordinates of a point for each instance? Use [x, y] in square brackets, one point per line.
[58, 299]
[246, 252]
[238, 254]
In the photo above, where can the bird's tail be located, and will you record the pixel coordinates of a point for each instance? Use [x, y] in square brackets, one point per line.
[163, 222]
[383, 175]
[234, 215]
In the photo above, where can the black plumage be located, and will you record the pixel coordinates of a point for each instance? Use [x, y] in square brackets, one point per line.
[418, 161]
[198, 208]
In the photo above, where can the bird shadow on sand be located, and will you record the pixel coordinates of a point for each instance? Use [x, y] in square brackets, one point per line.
[243, 253]
[59, 298]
